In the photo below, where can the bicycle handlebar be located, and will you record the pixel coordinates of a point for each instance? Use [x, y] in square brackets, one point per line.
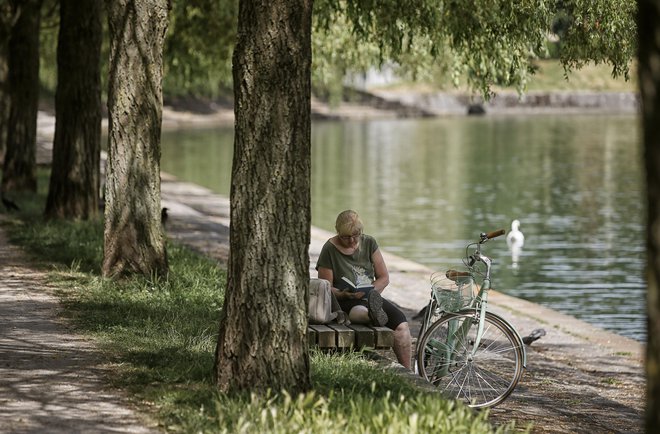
[493, 234]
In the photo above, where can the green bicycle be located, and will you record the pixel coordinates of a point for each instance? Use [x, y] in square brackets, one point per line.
[468, 352]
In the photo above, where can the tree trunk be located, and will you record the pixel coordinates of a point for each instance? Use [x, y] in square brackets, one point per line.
[20, 165]
[4, 98]
[262, 340]
[74, 180]
[649, 79]
[134, 237]
[6, 23]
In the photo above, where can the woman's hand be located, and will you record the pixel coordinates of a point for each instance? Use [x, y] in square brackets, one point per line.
[348, 295]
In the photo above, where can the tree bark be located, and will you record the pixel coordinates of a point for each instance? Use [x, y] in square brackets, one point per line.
[134, 237]
[262, 339]
[20, 165]
[74, 180]
[649, 80]
[6, 23]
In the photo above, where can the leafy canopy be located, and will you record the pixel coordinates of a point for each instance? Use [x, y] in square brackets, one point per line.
[482, 42]
[198, 49]
[487, 41]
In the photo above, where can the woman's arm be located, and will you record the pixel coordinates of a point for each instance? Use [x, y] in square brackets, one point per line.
[328, 274]
[380, 271]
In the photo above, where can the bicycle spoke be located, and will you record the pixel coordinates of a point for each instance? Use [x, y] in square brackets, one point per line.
[490, 378]
[481, 388]
[496, 350]
[463, 390]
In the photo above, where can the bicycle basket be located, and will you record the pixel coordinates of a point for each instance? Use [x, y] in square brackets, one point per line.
[452, 294]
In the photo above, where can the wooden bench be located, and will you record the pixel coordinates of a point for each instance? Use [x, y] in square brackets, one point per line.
[355, 336]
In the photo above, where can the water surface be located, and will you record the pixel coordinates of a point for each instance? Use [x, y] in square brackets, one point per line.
[426, 187]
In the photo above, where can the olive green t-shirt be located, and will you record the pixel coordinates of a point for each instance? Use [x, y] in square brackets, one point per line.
[357, 267]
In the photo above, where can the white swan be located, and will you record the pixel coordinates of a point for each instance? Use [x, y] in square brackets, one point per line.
[515, 240]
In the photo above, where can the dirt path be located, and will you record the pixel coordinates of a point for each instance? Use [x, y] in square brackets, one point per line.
[574, 395]
[51, 380]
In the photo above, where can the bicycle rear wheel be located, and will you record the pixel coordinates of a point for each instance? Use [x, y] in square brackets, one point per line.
[482, 376]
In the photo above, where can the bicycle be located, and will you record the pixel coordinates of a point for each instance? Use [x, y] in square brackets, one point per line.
[467, 351]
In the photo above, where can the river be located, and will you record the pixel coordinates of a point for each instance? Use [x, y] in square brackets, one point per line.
[427, 187]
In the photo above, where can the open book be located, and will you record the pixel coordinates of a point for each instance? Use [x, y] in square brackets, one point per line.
[352, 287]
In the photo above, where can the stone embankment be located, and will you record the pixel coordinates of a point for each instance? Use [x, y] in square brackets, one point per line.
[439, 103]
[378, 104]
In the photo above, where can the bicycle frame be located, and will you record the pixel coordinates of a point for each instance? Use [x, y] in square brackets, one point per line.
[478, 305]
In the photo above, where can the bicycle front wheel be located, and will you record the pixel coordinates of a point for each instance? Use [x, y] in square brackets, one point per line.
[481, 376]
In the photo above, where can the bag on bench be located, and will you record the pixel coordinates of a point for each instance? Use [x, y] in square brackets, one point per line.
[323, 306]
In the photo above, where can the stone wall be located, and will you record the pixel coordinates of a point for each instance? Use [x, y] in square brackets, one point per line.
[510, 102]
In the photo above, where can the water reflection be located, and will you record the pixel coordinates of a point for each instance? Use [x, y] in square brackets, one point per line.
[427, 187]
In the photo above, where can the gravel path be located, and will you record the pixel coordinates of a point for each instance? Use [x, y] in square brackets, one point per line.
[51, 379]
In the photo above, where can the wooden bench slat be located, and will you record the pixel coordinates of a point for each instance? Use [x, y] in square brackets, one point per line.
[384, 337]
[364, 336]
[345, 336]
[325, 336]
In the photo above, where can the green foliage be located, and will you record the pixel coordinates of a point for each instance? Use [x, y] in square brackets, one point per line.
[197, 53]
[550, 75]
[332, 61]
[603, 31]
[348, 412]
[377, 401]
[486, 43]
[50, 21]
[199, 45]
[476, 45]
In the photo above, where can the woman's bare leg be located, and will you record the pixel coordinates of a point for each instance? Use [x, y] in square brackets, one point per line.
[403, 345]
[402, 341]
[359, 315]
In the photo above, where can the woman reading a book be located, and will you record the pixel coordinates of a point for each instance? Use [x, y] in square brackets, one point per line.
[352, 262]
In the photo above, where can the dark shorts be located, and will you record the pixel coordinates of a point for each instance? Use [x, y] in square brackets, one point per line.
[394, 315]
